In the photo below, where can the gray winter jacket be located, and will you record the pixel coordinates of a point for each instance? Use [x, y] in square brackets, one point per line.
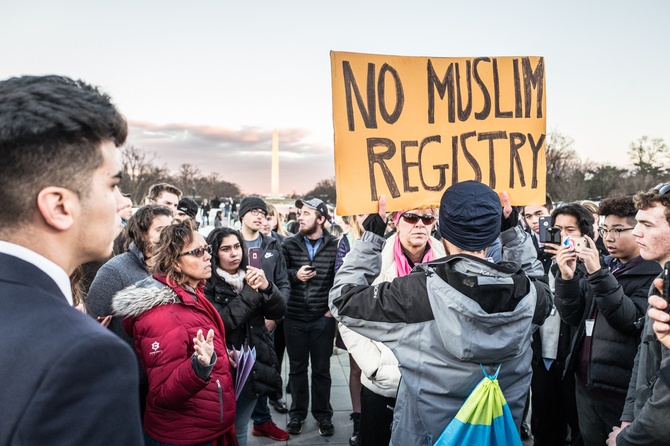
[648, 398]
[442, 321]
[118, 273]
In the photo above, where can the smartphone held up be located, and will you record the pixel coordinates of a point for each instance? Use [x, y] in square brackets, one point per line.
[255, 257]
[577, 243]
[544, 224]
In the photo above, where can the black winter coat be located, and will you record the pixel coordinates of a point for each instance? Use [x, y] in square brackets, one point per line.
[274, 265]
[243, 317]
[309, 300]
[620, 308]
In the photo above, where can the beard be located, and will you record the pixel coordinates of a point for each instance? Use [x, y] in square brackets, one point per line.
[309, 230]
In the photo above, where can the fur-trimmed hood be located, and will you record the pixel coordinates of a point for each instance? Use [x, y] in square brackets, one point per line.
[146, 294]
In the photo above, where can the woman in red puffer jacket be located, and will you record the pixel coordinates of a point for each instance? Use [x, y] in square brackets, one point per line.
[181, 343]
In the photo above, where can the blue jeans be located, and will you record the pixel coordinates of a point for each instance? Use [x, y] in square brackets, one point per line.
[261, 412]
[305, 342]
[245, 405]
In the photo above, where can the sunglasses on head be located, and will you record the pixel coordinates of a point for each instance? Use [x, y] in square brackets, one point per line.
[662, 188]
[412, 219]
[198, 252]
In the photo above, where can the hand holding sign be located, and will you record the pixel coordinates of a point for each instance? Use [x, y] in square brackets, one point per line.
[376, 223]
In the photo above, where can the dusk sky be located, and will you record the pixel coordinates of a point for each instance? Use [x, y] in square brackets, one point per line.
[206, 82]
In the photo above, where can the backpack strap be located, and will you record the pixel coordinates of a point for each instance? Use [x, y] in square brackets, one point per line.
[491, 377]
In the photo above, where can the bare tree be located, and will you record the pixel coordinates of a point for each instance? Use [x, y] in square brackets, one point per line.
[325, 190]
[139, 172]
[650, 156]
[566, 174]
[605, 181]
[186, 179]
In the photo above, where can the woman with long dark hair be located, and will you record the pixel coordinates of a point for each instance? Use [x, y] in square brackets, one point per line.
[244, 298]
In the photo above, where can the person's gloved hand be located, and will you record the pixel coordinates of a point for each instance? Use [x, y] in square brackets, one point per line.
[376, 223]
[510, 214]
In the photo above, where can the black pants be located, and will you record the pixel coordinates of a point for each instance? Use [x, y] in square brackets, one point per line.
[597, 416]
[280, 347]
[553, 407]
[376, 418]
[310, 343]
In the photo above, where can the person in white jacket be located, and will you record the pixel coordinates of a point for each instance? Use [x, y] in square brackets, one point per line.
[380, 375]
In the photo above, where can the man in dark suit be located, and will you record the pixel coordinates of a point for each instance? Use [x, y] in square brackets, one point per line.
[65, 378]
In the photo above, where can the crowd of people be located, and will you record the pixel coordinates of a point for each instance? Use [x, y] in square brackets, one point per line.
[130, 328]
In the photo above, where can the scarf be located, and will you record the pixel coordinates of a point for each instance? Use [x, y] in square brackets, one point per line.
[402, 262]
[234, 280]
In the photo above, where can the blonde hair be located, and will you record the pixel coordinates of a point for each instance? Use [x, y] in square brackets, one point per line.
[354, 229]
[590, 205]
[77, 285]
[272, 212]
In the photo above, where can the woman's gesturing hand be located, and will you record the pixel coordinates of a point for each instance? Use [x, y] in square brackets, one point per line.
[204, 347]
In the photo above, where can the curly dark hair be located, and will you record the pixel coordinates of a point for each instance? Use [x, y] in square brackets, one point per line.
[171, 244]
[214, 240]
[51, 131]
[621, 206]
[583, 216]
[646, 200]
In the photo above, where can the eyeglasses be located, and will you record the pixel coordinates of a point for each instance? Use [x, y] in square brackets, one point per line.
[662, 188]
[615, 232]
[198, 252]
[257, 212]
[413, 219]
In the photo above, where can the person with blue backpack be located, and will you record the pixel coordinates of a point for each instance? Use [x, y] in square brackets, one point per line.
[452, 321]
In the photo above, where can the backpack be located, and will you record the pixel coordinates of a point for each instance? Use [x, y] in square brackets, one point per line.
[484, 419]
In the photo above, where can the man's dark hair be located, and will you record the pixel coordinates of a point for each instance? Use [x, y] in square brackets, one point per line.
[646, 200]
[583, 216]
[51, 130]
[156, 190]
[139, 224]
[621, 206]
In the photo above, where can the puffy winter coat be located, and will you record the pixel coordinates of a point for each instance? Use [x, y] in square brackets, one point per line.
[309, 300]
[244, 317]
[378, 365]
[181, 407]
[648, 398]
[616, 305]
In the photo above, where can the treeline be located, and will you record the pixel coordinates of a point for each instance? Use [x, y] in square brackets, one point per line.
[571, 178]
[140, 172]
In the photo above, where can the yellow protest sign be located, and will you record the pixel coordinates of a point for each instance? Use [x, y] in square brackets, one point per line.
[409, 127]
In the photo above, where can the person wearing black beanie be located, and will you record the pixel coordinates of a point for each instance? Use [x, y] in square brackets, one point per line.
[249, 203]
